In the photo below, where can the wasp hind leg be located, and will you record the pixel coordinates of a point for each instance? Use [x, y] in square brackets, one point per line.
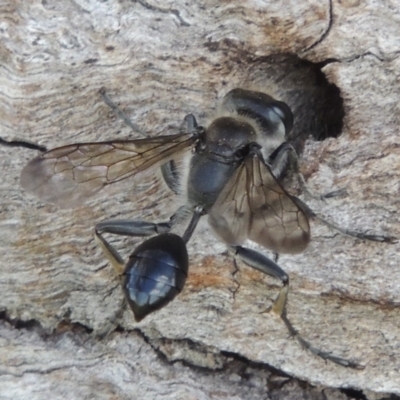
[126, 227]
[140, 228]
[262, 263]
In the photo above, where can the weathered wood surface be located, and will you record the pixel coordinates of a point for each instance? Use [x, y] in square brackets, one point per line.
[159, 63]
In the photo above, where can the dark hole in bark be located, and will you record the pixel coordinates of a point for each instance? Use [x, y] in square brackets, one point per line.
[354, 394]
[316, 103]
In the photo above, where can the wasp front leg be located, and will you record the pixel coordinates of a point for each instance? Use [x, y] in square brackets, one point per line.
[285, 158]
[262, 263]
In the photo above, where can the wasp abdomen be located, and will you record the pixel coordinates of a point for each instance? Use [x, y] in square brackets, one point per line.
[155, 274]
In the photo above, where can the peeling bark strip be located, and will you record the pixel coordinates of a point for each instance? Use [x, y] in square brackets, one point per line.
[344, 293]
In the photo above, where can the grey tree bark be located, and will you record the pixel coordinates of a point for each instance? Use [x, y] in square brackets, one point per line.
[158, 61]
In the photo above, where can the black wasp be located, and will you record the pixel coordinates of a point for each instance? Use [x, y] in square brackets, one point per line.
[234, 176]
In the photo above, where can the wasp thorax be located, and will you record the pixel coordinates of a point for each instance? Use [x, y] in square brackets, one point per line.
[226, 135]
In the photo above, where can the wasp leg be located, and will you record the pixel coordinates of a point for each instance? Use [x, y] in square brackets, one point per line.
[171, 176]
[140, 228]
[279, 160]
[135, 228]
[120, 114]
[286, 156]
[197, 214]
[344, 231]
[262, 263]
[125, 228]
[119, 265]
[169, 170]
[191, 123]
[110, 252]
[335, 193]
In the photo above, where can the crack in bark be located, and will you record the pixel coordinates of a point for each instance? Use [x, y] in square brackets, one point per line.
[236, 270]
[36, 325]
[173, 11]
[387, 57]
[189, 346]
[346, 298]
[325, 33]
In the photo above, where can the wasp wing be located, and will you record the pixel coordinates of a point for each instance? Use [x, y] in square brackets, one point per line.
[277, 222]
[230, 214]
[69, 174]
[254, 205]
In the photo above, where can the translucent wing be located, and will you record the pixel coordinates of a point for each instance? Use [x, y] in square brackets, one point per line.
[230, 214]
[254, 205]
[67, 175]
[276, 220]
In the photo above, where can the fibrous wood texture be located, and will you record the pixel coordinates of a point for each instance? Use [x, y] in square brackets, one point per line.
[160, 61]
